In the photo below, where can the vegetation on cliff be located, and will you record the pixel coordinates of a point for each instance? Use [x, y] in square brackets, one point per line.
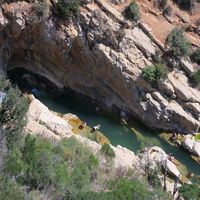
[132, 12]
[177, 43]
[68, 8]
[154, 72]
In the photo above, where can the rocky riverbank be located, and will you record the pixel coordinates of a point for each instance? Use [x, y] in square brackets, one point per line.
[41, 121]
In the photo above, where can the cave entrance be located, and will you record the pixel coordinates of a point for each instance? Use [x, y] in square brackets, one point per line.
[29, 82]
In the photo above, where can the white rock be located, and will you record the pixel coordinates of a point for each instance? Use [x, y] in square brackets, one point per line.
[196, 148]
[188, 144]
[40, 113]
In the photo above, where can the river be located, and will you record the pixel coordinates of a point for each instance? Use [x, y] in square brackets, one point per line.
[129, 136]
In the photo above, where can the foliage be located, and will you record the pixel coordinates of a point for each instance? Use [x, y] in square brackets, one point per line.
[178, 44]
[154, 72]
[157, 57]
[12, 112]
[190, 192]
[10, 189]
[124, 188]
[133, 12]
[68, 8]
[107, 151]
[40, 164]
[196, 77]
[197, 136]
[196, 56]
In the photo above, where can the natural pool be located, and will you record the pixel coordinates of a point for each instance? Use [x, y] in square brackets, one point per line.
[129, 136]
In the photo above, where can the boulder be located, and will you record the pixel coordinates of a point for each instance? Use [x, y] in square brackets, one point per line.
[196, 148]
[187, 66]
[157, 155]
[40, 113]
[166, 87]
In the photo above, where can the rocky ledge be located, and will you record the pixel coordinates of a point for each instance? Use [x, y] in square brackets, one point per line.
[100, 56]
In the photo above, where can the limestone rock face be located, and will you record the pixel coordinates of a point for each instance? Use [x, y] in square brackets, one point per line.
[101, 57]
[156, 156]
[48, 122]
[192, 146]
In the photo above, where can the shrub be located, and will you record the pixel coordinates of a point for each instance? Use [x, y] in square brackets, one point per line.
[68, 8]
[149, 74]
[80, 176]
[10, 189]
[196, 56]
[12, 112]
[196, 77]
[161, 71]
[178, 44]
[190, 192]
[133, 12]
[157, 57]
[107, 151]
[154, 72]
[36, 165]
[197, 136]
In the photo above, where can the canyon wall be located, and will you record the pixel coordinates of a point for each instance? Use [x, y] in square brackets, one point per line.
[100, 55]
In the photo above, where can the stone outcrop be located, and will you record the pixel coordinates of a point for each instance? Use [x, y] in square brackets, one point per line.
[156, 156]
[102, 57]
[192, 146]
[41, 121]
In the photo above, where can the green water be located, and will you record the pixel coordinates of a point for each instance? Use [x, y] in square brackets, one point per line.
[113, 129]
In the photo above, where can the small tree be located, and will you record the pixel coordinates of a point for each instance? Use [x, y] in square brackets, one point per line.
[178, 44]
[133, 12]
[190, 192]
[68, 8]
[154, 72]
[12, 112]
[196, 56]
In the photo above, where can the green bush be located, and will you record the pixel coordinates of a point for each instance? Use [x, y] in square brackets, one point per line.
[161, 71]
[197, 136]
[80, 177]
[196, 77]
[178, 44]
[154, 72]
[107, 151]
[68, 8]
[196, 56]
[12, 112]
[9, 189]
[132, 12]
[190, 192]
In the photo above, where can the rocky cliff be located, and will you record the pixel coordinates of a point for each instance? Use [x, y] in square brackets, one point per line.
[100, 55]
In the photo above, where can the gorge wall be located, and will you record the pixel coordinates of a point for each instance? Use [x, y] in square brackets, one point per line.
[100, 56]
